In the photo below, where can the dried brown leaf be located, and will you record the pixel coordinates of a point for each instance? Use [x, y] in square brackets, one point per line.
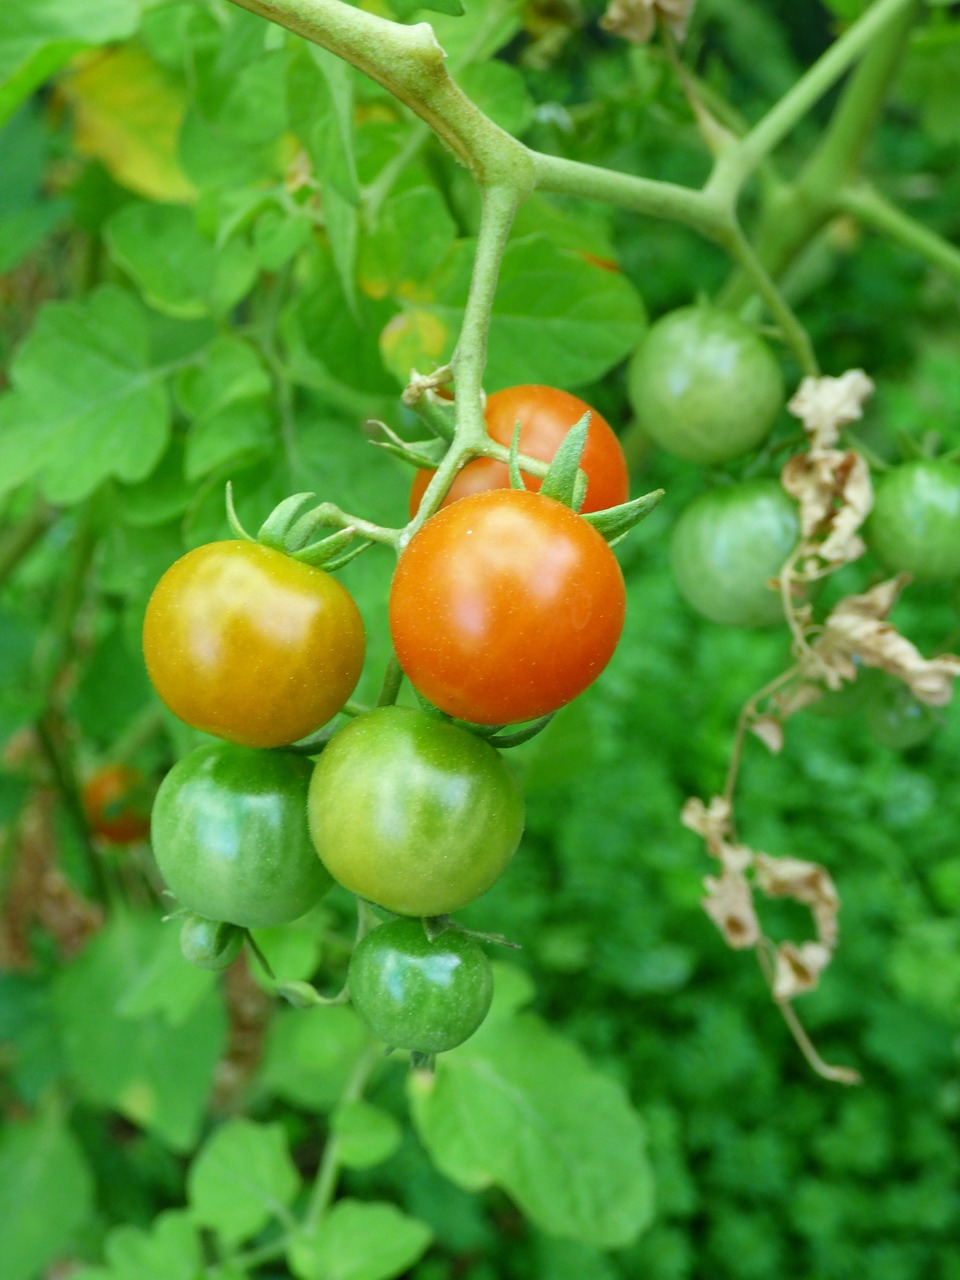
[835, 495]
[729, 904]
[712, 821]
[798, 969]
[824, 405]
[857, 627]
[770, 732]
[636, 19]
[805, 882]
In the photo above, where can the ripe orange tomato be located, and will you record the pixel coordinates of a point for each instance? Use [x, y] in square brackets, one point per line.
[505, 606]
[545, 416]
[253, 646]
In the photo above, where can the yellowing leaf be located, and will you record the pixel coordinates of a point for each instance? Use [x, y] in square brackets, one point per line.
[127, 114]
[413, 339]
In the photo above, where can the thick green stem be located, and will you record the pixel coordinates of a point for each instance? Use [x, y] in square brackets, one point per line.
[500, 205]
[796, 213]
[782, 118]
[642, 195]
[876, 211]
[409, 63]
[793, 332]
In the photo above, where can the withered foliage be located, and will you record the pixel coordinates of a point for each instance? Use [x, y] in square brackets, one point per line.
[833, 490]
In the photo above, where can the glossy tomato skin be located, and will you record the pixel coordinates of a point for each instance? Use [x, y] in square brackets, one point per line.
[413, 813]
[545, 415]
[704, 386]
[915, 523]
[230, 836]
[116, 804]
[727, 545]
[251, 645]
[418, 994]
[505, 606]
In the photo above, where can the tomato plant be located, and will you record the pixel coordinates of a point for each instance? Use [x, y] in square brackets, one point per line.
[414, 814]
[253, 646]
[727, 545]
[419, 993]
[545, 415]
[210, 944]
[230, 836]
[505, 606]
[915, 523]
[704, 386]
[116, 802]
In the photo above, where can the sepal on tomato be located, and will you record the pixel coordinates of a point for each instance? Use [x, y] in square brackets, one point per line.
[565, 481]
[616, 522]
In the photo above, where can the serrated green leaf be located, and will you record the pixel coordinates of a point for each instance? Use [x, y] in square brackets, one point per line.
[162, 496]
[240, 1180]
[520, 1107]
[39, 37]
[167, 985]
[366, 1135]
[169, 1250]
[111, 690]
[320, 104]
[86, 403]
[41, 1164]
[125, 1063]
[413, 233]
[359, 1241]
[556, 319]
[179, 271]
[309, 1060]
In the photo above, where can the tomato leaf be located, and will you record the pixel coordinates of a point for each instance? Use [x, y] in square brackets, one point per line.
[123, 1062]
[41, 1164]
[169, 1250]
[242, 1175]
[359, 1241]
[37, 38]
[521, 1107]
[87, 402]
[179, 270]
[366, 1135]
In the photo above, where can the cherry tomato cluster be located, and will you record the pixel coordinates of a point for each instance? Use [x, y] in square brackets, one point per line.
[504, 606]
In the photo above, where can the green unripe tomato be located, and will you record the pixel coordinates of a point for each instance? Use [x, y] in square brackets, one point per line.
[727, 545]
[915, 523]
[413, 813]
[210, 944]
[704, 386]
[418, 994]
[230, 836]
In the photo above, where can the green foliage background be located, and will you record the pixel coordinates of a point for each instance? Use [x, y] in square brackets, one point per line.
[224, 250]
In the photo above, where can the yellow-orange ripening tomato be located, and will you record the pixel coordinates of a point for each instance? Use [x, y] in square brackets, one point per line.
[251, 645]
[505, 606]
[545, 416]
